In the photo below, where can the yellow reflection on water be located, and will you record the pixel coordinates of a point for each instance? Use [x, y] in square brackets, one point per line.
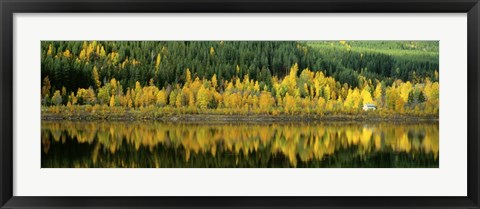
[297, 142]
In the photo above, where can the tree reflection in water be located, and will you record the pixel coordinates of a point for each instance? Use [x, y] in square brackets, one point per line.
[246, 145]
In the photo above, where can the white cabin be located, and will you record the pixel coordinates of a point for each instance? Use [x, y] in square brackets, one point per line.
[368, 107]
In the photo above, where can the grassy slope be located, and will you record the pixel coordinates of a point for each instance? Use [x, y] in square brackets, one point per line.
[421, 50]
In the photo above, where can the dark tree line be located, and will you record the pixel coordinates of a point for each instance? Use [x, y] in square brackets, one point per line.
[70, 64]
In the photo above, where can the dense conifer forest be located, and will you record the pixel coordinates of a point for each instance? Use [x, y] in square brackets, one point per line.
[240, 77]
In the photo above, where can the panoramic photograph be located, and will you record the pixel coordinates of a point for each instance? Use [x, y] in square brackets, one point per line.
[240, 104]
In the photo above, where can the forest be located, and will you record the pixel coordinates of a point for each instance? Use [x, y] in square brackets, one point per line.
[240, 77]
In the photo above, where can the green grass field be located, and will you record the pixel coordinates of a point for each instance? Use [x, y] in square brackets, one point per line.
[402, 50]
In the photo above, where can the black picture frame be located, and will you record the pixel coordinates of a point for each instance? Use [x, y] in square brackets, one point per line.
[10, 7]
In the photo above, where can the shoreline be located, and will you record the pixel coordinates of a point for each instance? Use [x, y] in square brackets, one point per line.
[208, 117]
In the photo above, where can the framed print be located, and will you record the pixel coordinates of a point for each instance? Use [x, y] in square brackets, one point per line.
[197, 104]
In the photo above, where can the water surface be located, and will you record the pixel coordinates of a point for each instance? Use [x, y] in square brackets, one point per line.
[102, 144]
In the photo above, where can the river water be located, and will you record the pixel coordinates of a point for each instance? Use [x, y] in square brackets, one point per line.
[149, 144]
